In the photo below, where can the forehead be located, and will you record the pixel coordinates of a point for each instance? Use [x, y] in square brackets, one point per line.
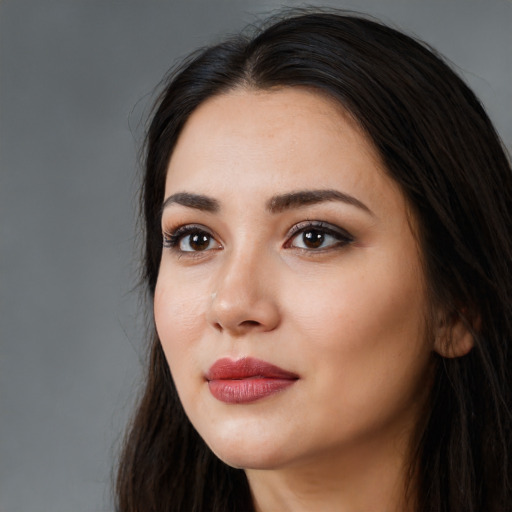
[272, 141]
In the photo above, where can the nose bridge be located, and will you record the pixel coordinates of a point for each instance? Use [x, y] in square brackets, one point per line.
[241, 267]
[243, 298]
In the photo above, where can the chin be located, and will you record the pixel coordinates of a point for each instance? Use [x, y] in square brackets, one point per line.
[248, 451]
[252, 459]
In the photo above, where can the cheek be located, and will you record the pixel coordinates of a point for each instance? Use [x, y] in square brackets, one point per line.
[179, 313]
[364, 329]
[179, 309]
[351, 302]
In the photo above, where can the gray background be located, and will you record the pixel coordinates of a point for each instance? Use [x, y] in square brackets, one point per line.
[77, 79]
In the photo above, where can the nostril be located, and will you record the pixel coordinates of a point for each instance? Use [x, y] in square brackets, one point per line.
[249, 323]
[242, 327]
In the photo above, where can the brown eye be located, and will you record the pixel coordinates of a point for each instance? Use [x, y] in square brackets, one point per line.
[319, 237]
[190, 238]
[197, 241]
[313, 238]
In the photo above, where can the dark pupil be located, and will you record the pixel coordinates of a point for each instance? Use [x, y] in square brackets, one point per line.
[199, 241]
[313, 239]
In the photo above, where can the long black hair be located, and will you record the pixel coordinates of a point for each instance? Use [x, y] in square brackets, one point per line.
[438, 144]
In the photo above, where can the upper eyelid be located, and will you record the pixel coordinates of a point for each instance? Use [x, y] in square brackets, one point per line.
[319, 225]
[187, 226]
[170, 236]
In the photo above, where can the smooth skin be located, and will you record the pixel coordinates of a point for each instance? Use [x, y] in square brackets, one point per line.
[328, 286]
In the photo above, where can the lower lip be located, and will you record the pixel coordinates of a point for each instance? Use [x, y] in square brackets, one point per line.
[244, 391]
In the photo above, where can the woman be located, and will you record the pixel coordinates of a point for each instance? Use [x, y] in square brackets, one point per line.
[327, 211]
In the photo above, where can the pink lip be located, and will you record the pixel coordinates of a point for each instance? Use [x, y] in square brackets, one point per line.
[246, 380]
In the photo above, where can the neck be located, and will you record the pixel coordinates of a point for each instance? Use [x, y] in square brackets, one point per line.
[368, 478]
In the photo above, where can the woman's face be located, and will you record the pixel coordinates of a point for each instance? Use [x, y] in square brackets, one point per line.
[286, 245]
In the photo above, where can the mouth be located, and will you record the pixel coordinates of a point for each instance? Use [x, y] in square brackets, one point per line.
[246, 380]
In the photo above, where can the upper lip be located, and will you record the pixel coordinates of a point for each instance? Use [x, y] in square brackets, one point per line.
[245, 368]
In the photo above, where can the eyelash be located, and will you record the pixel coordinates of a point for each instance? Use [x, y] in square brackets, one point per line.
[172, 240]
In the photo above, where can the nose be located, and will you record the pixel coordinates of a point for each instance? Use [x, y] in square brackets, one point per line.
[243, 300]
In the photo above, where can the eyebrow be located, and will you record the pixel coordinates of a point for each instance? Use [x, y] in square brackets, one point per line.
[275, 204]
[303, 198]
[197, 201]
